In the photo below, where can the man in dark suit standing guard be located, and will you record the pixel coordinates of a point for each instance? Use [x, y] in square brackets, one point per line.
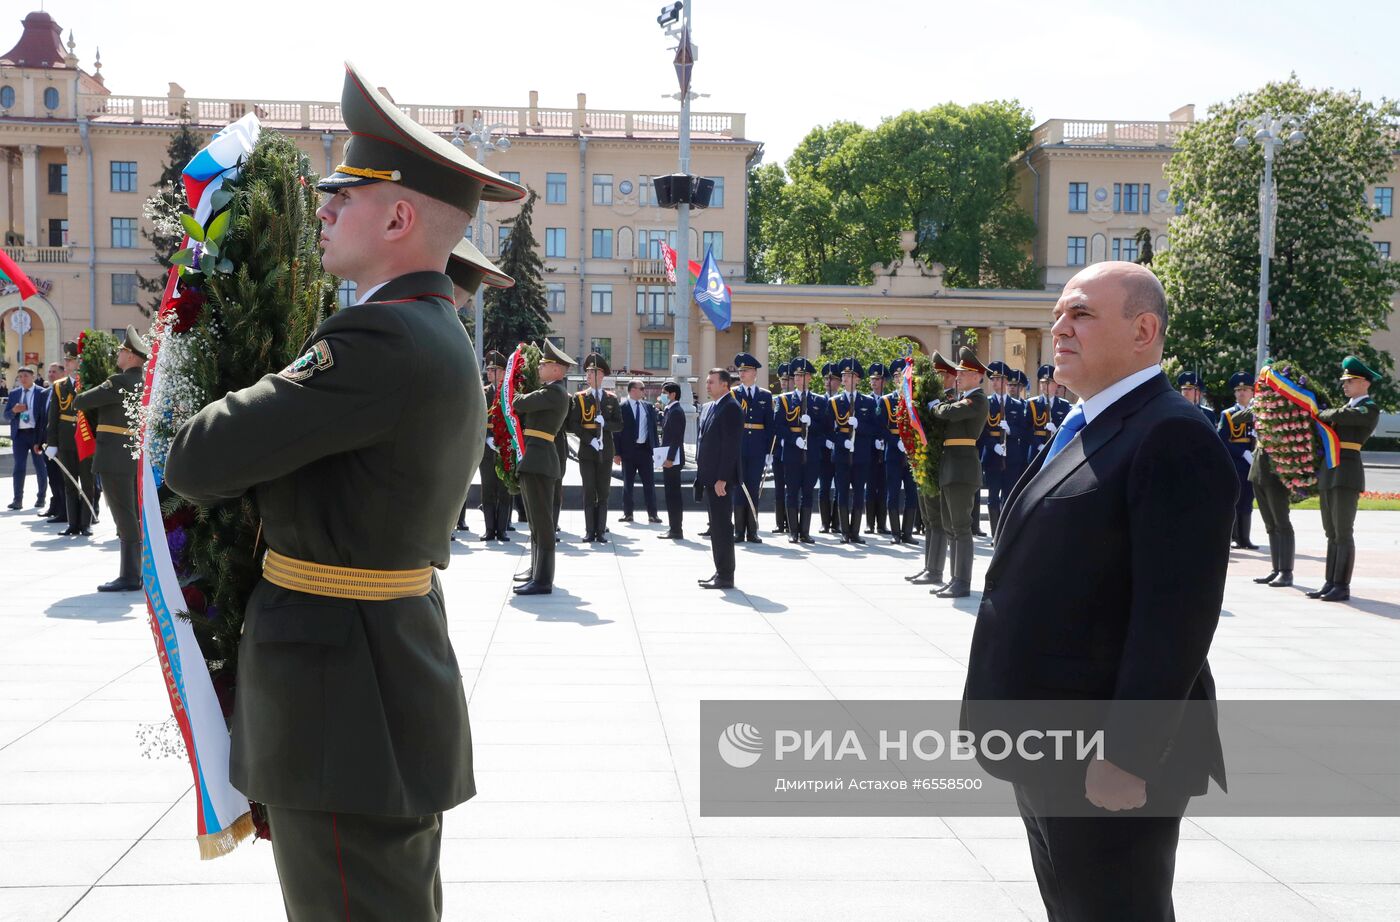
[673, 440]
[594, 415]
[635, 442]
[717, 471]
[1092, 594]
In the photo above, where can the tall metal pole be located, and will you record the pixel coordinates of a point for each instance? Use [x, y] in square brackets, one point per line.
[1266, 237]
[683, 289]
[479, 298]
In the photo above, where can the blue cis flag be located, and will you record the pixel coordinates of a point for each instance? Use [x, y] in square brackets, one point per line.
[712, 294]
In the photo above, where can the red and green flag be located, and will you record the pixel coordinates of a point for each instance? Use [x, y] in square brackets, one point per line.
[14, 275]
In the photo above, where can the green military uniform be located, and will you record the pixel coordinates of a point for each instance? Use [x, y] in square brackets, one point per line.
[930, 507]
[542, 413]
[1340, 488]
[495, 498]
[594, 417]
[113, 461]
[1272, 496]
[561, 451]
[350, 721]
[960, 474]
[63, 431]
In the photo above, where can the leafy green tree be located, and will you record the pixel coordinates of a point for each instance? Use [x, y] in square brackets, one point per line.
[784, 342]
[859, 338]
[1328, 286]
[163, 209]
[521, 313]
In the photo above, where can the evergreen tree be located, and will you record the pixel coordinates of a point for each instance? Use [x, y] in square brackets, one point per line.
[163, 209]
[521, 313]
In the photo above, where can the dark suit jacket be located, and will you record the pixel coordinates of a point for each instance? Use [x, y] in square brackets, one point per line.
[38, 411]
[673, 433]
[719, 443]
[1106, 585]
[626, 440]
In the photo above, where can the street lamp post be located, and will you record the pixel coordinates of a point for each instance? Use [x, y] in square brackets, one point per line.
[1271, 130]
[484, 139]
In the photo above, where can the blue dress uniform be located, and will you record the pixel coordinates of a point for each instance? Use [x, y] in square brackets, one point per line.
[875, 486]
[756, 404]
[826, 481]
[801, 442]
[852, 428]
[1017, 437]
[901, 492]
[775, 448]
[1192, 380]
[991, 450]
[1237, 432]
[1044, 412]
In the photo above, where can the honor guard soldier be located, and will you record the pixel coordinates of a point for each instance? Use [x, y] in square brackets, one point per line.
[959, 471]
[852, 429]
[1189, 383]
[936, 541]
[901, 493]
[1236, 430]
[826, 483]
[991, 445]
[1340, 488]
[755, 448]
[775, 448]
[1045, 411]
[1018, 434]
[103, 406]
[594, 415]
[542, 420]
[800, 417]
[1273, 496]
[469, 269]
[350, 721]
[875, 487]
[63, 443]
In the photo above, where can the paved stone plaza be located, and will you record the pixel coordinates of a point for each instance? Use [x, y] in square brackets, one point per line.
[585, 716]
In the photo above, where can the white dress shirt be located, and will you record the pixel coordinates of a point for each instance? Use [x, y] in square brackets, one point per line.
[368, 294]
[1095, 405]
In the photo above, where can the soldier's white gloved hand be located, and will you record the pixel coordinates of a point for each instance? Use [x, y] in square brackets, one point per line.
[1006, 425]
[879, 444]
[999, 449]
[1248, 457]
[854, 423]
[800, 443]
[597, 444]
[1052, 427]
[767, 460]
[51, 451]
[491, 442]
[849, 445]
[900, 443]
[830, 444]
[805, 420]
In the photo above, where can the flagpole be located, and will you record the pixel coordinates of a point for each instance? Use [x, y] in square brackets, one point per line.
[683, 293]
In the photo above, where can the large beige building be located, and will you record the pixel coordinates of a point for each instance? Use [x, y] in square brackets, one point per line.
[77, 163]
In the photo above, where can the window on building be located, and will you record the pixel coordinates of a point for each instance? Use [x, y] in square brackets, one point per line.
[555, 242]
[1077, 251]
[1125, 197]
[58, 179]
[1383, 248]
[717, 196]
[1385, 201]
[345, 293]
[602, 188]
[7, 97]
[713, 240]
[123, 233]
[601, 345]
[51, 98]
[58, 232]
[1146, 197]
[1078, 197]
[602, 243]
[512, 175]
[656, 353]
[1125, 248]
[123, 287]
[601, 297]
[654, 304]
[554, 297]
[556, 188]
[649, 243]
[646, 192]
[502, 235]
[123, 175]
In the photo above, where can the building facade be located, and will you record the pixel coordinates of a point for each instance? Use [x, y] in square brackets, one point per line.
[78, 162]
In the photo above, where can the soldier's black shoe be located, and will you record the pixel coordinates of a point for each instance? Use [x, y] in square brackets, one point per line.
[1336, 594]
[670, 536]
[487, 537]
[56, 519]
[753, 539]
[717, 583]
[1267, 578]
[534, 588]
[120, 585]
[624, 518]
[705, 533]
[955, 591]
[710, 578]
[856, 538]
[1245, 546]
[928, 579]
[526, 577]
[14, 505]
[916, 576]
[653, 520]
[1283, 579]
[1321, 591]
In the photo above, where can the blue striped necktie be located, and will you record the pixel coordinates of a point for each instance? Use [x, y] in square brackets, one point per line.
[1075, 421]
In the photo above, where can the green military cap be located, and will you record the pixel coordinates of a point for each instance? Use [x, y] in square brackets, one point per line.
[943, 365]
[968, 361]
[596, 360]
[134, 342]
[387, 146]
[70, 350]
[553, 353]
[468, 268]
[1353, 367]
[494, 359]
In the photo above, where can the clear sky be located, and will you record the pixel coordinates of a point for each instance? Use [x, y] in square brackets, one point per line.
[788, 65]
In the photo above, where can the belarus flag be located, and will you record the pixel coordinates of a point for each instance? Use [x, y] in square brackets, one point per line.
[14, 275]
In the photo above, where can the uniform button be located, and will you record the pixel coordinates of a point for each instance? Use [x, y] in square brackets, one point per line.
[989, 586]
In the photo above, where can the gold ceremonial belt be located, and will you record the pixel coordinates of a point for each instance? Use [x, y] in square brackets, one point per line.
[955, 442]
[540, 434]
[345, 582]
[68, 419]
[795, 428]
[592, 425]
[846, 429]
[754, 426]
[1352, 446]
[1042, 432]
[1243, 441]
[115, 430]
